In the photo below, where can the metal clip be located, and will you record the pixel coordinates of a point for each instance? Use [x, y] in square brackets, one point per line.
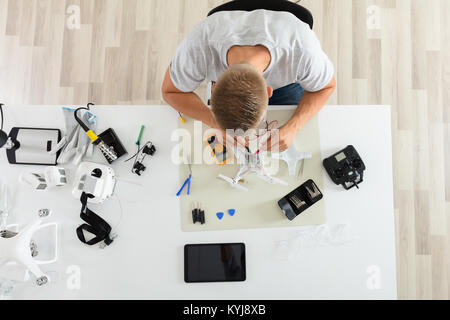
[297, 202]
[108, 152]
[113, 236]
[315, 193]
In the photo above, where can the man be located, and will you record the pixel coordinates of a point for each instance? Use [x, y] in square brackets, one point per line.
[253, 57]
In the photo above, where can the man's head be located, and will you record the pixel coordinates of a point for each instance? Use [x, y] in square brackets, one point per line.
[240, 98]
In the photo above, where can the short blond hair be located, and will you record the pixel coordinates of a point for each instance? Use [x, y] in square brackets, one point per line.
[239, 99]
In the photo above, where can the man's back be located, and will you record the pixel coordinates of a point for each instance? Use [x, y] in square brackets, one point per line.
[296, 54]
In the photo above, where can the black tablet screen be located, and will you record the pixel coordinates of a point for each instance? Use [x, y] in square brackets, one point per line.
[214, 262]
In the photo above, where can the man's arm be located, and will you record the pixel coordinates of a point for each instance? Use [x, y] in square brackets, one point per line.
[187, 103]
[310, 104]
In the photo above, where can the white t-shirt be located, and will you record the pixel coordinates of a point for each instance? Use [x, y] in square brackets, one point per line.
[296, 53]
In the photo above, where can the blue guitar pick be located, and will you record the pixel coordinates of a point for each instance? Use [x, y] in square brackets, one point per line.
[231, 212]
[220, 215]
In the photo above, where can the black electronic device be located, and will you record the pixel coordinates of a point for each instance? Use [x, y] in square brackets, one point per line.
[108, 142]
[3, 138]
[345, 168]
[214, 262]
[148, 150]
[110, 138]
[301, 199]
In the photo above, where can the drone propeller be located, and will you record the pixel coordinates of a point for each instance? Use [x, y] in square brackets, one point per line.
[233, 183]
[272, 180]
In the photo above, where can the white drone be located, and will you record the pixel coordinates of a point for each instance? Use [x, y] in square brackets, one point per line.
[251, 163]
[254, 162]
[17, 249]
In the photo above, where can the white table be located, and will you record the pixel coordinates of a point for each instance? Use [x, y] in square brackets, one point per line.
[146, 261]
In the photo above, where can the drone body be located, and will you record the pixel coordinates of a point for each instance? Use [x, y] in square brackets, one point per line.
[251, 162]
[15, 248]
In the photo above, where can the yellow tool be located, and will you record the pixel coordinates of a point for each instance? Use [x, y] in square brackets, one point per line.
[181, 117]
[219, 151]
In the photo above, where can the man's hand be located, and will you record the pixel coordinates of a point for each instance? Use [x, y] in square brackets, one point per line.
[281, 139]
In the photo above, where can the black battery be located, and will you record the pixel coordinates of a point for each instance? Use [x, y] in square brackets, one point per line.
[300, 200]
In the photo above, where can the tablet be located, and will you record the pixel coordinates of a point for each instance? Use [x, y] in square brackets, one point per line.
[214, 262]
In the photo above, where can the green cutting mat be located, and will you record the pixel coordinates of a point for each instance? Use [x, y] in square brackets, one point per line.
[257, 208]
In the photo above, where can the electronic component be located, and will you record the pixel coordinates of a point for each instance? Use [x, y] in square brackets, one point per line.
[300, 199]
[94, 183]
[198, 214]
[345, 168]
[219, 151]
[95, 179]
[111, 146]
[142, 152]
[50, 178]
[138, 166]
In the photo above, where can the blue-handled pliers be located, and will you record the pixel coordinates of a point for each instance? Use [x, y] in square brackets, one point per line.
[187, 182]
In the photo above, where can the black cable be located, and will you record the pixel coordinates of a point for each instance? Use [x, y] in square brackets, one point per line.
[1, 113]
[81, 123]
[137, 153]
[136, 158]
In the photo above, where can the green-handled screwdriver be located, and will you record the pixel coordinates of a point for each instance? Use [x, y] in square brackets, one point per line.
[141, 133]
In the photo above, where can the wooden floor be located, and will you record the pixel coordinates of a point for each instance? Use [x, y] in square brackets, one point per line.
[119, 54]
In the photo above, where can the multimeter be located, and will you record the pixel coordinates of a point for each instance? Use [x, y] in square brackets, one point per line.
[219, 151]
[345, 168]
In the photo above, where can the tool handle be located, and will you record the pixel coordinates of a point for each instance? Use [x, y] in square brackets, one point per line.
[189, 185]
[179, 192]
[141, 133]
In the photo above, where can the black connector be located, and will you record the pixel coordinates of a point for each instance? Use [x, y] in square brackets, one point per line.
[149, 149]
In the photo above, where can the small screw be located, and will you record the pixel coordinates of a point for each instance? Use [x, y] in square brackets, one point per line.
[42, 281]
[34, 249]
[44, 213]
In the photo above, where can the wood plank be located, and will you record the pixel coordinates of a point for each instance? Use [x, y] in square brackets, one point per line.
[439, 253]
[423, 277]
[360, 43]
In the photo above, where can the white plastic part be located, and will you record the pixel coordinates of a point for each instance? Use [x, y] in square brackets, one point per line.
[34, 180]
[292, 156]
[15, 271]
[75, 144]
[5, 206]
[250, 162]
[15, 256]
[102, 188]
[233, 183]
[314, 237]
[55, 176]
[40, 181]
